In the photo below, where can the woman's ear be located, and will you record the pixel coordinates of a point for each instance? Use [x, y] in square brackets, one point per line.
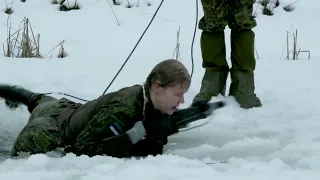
[155, 87]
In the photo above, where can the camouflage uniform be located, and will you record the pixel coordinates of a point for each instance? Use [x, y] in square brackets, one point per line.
[41, 134]
[96, 127]
[237, 14]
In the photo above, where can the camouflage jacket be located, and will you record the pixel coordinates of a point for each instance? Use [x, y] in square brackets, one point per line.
[98, 127]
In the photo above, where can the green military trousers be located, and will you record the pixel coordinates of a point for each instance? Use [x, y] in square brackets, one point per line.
[41, 133]
[237, 14]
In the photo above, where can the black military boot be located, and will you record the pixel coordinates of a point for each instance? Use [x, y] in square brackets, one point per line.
[243, 64]
[242, 88]
[15, 96]
[213, 83]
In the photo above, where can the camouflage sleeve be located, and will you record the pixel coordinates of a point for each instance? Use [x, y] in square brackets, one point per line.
[105, 132]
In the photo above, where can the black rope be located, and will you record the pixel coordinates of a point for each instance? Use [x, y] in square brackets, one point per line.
[194, 35]
[154, 15]
[67, 95]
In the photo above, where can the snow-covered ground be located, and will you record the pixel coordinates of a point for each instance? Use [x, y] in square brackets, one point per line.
[280, 140]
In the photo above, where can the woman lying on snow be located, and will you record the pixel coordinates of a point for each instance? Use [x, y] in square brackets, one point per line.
[133, 121]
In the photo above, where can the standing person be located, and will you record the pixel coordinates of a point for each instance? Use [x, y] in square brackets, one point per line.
[133, 121]
[237, 14]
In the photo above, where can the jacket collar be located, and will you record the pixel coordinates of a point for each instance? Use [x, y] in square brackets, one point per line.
[149, 107]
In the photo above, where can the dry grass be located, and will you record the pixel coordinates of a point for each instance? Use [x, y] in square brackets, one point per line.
[54, 2]
[66, 6]
[289, 8]
[8, 9]
[267, 6]
[116, 2]
[177, 49]
[62, 53]
[22, 43]
[129, 5]
[296, 50]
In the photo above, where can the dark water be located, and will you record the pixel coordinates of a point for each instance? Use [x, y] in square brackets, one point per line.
[7, 139]
[4, 154]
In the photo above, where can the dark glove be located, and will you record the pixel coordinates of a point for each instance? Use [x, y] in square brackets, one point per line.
[204, 108]
[147, 147]
[156, 136]
[197, 111]
[207, 108]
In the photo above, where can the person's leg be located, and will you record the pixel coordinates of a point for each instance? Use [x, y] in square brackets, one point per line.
[15, 96]
[243, 60]
[43, 106]
[40, 135]
[213, 50]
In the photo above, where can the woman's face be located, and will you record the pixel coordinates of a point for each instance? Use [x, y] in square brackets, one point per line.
[168, 99]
